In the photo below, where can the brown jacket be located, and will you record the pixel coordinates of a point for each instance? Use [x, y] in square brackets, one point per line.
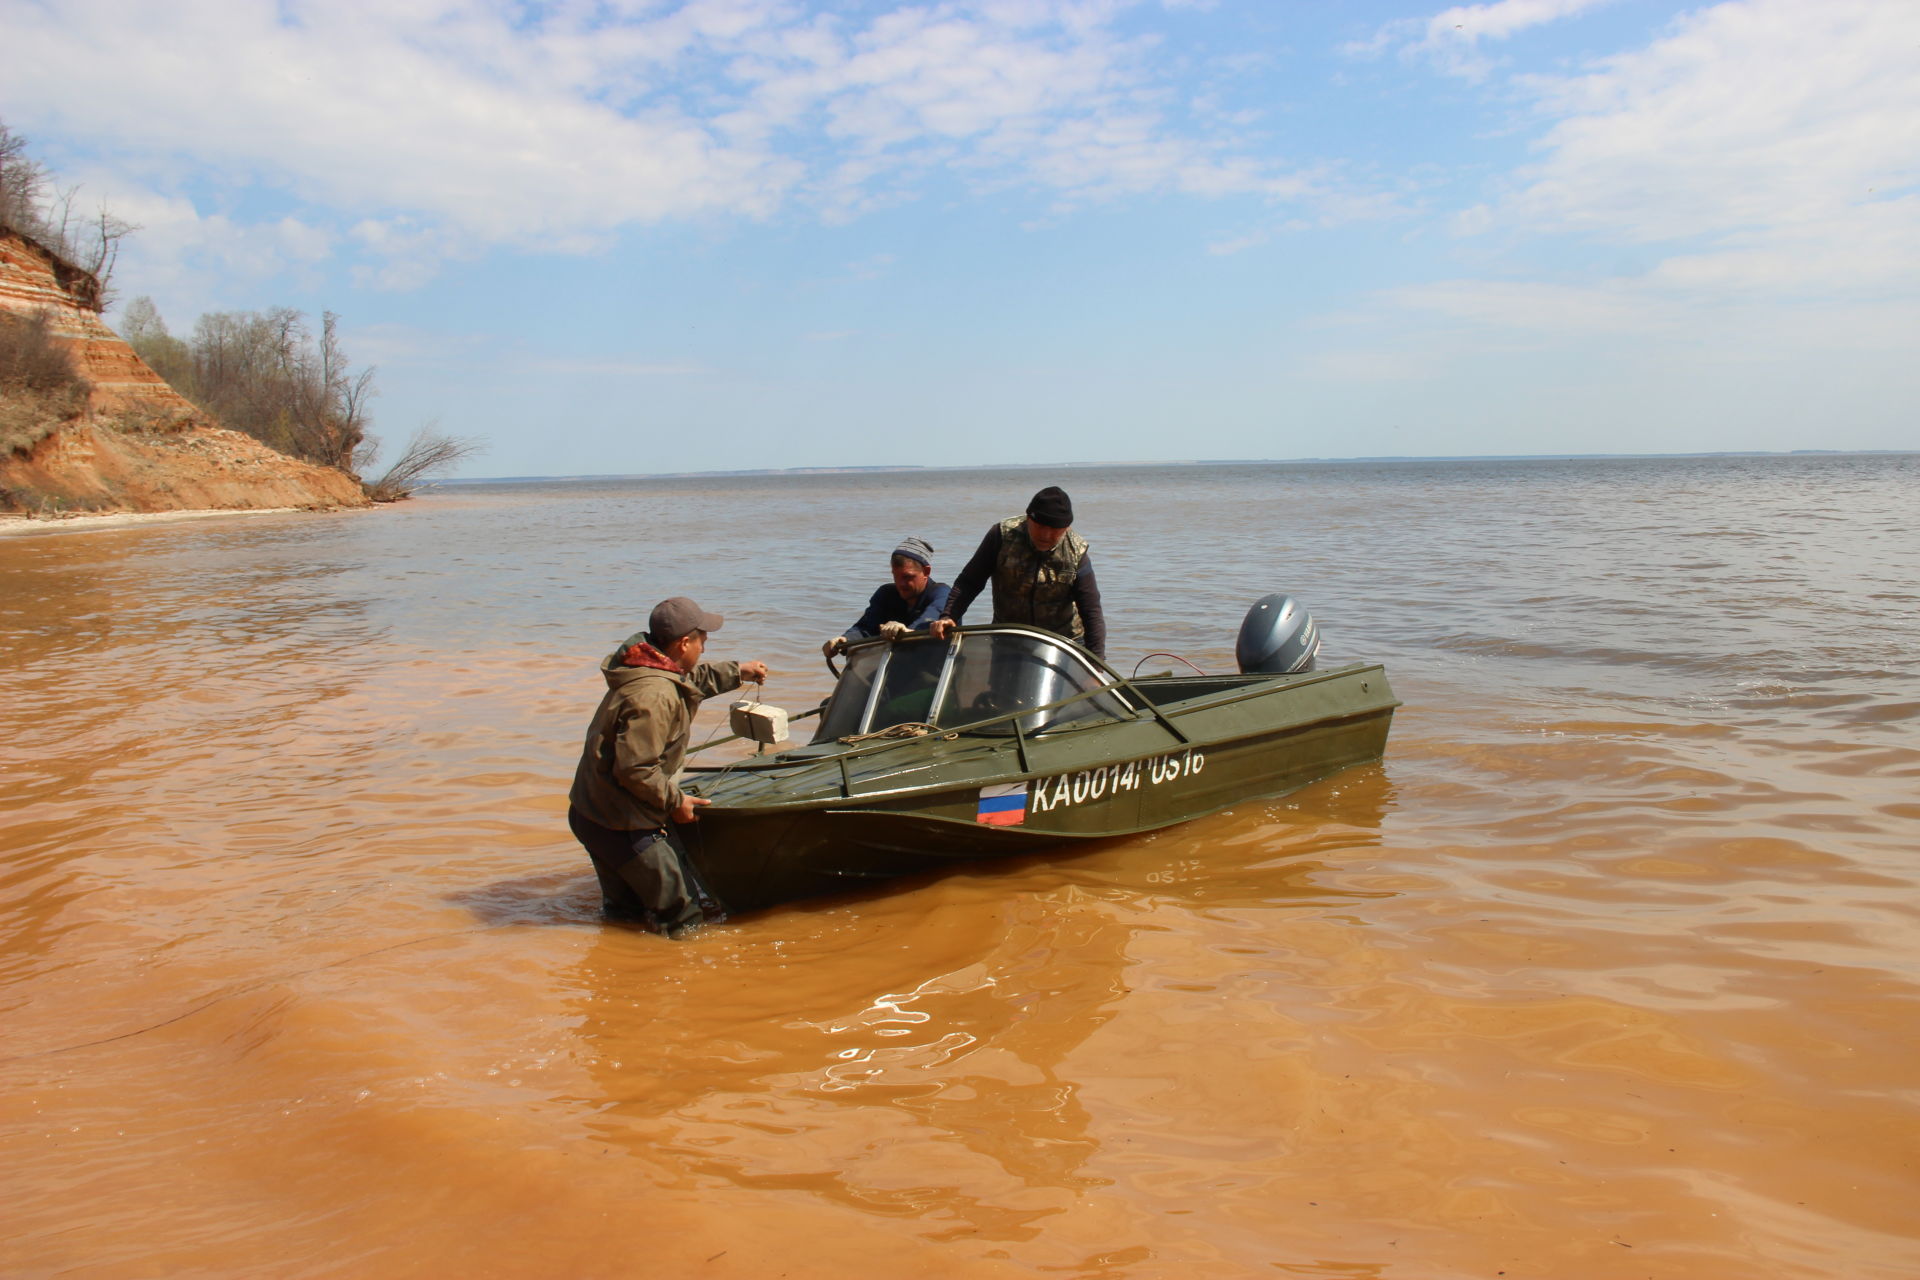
[638, 739]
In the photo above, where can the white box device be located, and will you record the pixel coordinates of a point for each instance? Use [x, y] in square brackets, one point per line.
[758, 722]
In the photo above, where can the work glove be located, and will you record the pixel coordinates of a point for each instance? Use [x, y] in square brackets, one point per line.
[893, 631]
[836, 645]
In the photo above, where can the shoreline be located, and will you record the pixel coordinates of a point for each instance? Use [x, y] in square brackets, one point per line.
[17, 525]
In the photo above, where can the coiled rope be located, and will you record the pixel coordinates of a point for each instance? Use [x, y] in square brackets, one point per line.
[909, 729]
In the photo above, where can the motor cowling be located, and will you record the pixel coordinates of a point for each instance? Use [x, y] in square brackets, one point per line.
[1277, 637]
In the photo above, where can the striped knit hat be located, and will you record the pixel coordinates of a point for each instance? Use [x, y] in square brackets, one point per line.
[915, 549]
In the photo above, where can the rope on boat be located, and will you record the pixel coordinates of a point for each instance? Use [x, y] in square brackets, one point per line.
[910, 729]
[1176, 657]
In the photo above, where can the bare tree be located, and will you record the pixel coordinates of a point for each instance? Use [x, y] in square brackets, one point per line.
[241, 372]
[262, 372]
[430, 454]
[99, 248]
[22, 181]
[337, 427]
[33, 205]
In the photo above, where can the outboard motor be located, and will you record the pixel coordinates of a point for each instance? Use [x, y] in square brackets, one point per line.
[1277, 638]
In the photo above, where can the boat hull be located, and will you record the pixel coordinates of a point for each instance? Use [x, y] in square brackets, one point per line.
[756, 856]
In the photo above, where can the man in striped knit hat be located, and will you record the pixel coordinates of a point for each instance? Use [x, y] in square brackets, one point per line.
[909, 603]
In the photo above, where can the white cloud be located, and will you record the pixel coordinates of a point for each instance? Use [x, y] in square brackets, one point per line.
[1473, 22]
[1771, 147]
[1870, 250]
[1525, 318]
[1451, 39]
[1748, 116]
[1757, 161]
[184, 257]
[431, 127]
[407, 251]
[1774, 144]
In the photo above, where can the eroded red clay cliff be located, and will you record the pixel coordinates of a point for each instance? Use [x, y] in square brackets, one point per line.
[137, 445]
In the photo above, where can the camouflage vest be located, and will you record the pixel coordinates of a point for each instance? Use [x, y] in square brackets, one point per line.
[1032, 588]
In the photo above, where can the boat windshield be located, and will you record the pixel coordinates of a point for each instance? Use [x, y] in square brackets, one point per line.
[884, 685]
[999, 672]
[985, 676]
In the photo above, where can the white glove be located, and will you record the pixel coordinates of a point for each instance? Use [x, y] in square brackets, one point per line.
[836, 645]
[893, 631]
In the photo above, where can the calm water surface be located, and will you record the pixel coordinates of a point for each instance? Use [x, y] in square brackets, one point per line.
[1611, 969]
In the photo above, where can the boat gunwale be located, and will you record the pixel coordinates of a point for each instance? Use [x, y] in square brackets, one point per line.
[822, 802]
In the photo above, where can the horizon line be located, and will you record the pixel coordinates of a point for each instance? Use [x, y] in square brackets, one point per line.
[886, 468]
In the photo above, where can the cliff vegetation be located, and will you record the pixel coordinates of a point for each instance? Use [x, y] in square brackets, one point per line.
[254, 409]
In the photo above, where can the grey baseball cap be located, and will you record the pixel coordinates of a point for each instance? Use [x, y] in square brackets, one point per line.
[677, 617]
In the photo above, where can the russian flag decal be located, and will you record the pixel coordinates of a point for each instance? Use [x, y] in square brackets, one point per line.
[1003, 806]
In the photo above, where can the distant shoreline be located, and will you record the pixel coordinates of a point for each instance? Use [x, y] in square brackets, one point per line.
[1183, 462]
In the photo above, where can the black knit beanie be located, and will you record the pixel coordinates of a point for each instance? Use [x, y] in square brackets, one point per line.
[1051, 507]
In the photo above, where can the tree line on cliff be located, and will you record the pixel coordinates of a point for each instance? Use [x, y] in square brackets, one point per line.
[265, 373]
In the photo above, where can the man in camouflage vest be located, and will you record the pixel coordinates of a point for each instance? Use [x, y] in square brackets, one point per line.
[1041, 572]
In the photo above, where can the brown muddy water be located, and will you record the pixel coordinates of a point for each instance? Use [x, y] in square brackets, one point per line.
[1612, 969]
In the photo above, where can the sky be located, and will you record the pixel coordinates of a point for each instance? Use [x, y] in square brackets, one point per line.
[643, 236]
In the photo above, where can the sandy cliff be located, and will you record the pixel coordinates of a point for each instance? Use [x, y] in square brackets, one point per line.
[136, 444]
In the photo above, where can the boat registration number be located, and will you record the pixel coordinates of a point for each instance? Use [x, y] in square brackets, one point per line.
[1091, 784]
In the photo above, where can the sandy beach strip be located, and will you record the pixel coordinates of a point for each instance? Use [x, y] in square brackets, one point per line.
[10, 524]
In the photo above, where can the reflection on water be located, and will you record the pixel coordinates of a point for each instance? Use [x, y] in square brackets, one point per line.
[1610, 964]
[934, 1095]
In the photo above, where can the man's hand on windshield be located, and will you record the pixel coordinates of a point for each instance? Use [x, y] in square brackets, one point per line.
[893, 630]
[944, 627]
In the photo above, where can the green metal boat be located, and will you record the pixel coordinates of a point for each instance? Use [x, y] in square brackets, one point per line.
[1010, 740]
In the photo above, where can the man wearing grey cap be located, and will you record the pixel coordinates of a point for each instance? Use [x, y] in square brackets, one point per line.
[624, 792]
[909, 603]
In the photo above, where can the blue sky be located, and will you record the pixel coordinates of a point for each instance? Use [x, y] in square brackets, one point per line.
[668, 235]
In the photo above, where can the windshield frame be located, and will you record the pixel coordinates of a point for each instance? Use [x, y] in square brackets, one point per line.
[1103, 679]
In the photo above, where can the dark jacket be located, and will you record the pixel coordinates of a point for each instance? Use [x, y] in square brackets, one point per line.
[638, 740]
[1057, 591]
[888, 605]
